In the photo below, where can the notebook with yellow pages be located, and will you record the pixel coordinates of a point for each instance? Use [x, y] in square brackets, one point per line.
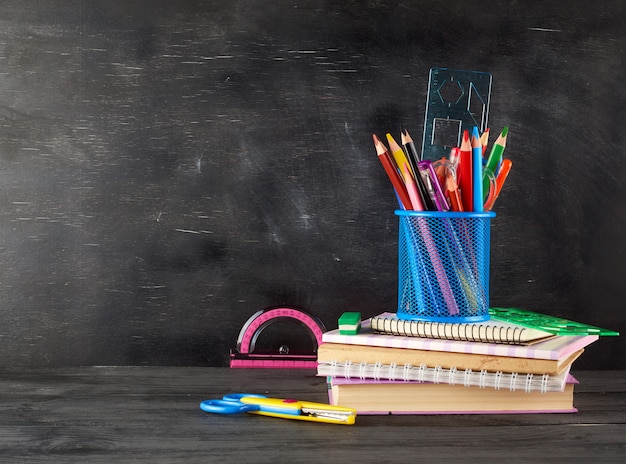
[343, 353]
[399, 397]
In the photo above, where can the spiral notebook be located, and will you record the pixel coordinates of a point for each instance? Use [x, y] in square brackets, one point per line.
[342, 353]
[491, 331]
[497, 380]
[558, 347]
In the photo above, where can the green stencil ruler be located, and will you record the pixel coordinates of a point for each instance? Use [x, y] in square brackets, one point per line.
[457, 101]
[552, 324]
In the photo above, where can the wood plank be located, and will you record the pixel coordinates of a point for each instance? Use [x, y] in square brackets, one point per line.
[123, 414]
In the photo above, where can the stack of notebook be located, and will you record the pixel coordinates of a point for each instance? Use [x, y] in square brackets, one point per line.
[394, 366]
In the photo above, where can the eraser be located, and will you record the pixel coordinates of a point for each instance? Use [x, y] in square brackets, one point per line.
[350, 323]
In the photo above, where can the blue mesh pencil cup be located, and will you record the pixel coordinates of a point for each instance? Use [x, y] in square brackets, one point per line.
[443, 266]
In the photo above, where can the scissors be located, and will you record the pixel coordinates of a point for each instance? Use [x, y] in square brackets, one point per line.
[285, 408]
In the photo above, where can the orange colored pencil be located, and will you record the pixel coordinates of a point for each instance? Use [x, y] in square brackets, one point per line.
[484, 140]
[441, 169]
[502, 175]
[452, 191]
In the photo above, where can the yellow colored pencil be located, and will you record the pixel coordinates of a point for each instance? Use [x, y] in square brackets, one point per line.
[398, 155]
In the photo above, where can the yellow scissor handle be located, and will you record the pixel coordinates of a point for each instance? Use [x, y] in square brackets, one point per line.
[301, 410]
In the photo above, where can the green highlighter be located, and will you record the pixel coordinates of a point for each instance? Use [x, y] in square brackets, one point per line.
[350, 323]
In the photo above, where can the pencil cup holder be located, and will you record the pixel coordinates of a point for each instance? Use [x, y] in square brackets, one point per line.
[443, 266]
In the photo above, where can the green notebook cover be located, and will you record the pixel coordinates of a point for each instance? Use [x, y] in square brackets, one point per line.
[552, 324]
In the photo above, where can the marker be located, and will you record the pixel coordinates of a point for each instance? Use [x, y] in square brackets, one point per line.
[477, 172]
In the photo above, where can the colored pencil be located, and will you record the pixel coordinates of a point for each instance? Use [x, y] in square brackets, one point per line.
[452, 191]
[441, 169]
[455, 152]
[398, 155]
[477, 172]
[484, 140]
[409, 147]
[413, 157]
[464, 172]
[392, 173]
[411, 188]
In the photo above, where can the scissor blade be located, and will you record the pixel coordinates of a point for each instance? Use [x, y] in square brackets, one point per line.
[330, 414]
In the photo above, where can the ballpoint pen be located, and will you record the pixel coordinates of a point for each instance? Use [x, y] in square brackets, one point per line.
[431, 182]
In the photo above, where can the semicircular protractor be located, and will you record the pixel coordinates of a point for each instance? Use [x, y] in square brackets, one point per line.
[278, 337]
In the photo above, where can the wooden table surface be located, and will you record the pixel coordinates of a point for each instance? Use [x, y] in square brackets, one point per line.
[151, 414]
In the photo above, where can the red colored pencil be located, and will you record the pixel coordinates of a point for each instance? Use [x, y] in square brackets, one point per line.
[392, 173]
[464, 172]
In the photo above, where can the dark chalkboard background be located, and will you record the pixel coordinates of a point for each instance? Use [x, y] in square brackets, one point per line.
[169, 168]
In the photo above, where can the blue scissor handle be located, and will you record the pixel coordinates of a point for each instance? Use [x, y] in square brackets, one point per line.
[230, 404]
[227, 407]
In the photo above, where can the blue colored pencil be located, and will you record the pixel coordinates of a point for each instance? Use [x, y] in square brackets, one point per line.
[477, 172]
